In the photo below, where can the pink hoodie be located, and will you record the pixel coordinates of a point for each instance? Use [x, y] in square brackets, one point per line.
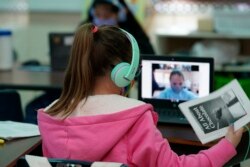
[118, 129]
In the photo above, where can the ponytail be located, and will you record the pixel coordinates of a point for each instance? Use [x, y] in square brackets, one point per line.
[94, 51]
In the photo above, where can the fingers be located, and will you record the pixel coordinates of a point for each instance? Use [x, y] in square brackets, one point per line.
[234, 136]
[239, 132]
[231, 129]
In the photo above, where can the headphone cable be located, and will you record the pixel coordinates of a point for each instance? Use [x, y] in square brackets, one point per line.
[248, 143]
[129, 88]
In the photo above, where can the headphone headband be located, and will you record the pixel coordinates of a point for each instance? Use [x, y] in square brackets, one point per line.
[135, 56]
[123, 73]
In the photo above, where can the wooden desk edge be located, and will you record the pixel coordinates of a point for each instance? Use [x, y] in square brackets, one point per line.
[181, 139]
[13, 163]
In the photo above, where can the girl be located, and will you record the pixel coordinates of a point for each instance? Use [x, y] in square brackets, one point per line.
[93, 121]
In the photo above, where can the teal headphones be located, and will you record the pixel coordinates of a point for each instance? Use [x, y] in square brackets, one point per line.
[123, 73]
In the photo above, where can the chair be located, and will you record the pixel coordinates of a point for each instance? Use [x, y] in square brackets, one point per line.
[70, 163]
[10, 106]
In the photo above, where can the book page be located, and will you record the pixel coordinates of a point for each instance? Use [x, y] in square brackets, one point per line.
[36, 161]
[10, 130]
[210, 116]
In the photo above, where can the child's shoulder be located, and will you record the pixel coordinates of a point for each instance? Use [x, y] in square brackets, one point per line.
[111, 103]
[120, 101]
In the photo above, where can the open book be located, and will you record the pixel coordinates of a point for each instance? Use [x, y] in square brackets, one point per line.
[210, 116]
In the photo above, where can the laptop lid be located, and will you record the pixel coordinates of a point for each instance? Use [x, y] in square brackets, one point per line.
[60, 46]
[154, 85]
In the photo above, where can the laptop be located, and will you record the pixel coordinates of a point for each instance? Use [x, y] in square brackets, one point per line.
[155, 78]
[60, 46]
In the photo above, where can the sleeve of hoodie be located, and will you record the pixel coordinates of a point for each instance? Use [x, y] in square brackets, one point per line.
[147, 147]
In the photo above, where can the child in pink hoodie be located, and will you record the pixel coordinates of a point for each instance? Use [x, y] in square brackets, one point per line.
[93, 120]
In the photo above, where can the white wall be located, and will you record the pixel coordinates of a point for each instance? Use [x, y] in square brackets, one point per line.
[43, 23]
[30, 35]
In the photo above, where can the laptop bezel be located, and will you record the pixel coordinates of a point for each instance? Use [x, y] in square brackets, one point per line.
[167, 103]
[53, 63]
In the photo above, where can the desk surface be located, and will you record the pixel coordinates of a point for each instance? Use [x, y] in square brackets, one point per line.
[31, 80]
[186, 137]
[10, 151]
[181, 135]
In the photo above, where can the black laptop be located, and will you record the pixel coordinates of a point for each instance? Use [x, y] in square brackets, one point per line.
[198, 78]
[60, 46]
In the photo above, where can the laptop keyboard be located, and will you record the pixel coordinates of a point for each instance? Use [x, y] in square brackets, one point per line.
[171, 116]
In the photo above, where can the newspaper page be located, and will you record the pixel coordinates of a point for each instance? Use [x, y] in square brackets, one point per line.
[210, 116]
[11, 130]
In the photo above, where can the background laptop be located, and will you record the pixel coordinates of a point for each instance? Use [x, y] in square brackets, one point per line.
[198, 74]
[60, 45]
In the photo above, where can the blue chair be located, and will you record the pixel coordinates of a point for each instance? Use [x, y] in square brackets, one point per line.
[67, 163]
[10, 106]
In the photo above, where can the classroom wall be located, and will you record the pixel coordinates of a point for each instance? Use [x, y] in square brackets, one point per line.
[30, 36]
[30, 39]
[41, 24]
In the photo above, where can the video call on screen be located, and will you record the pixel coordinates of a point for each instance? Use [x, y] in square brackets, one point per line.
[194, 75]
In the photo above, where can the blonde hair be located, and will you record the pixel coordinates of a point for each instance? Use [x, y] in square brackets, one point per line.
[93, 54]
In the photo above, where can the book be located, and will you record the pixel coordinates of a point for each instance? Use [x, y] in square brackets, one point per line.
[211, 115]
[11, 130]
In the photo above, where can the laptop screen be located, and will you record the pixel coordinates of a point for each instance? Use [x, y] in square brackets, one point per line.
[168, 80]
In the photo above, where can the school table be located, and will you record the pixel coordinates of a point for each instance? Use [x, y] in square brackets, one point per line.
[12, 150]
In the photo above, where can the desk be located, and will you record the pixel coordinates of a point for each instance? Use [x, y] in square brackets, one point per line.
[31, 80]
[14, 149]
[181, 135]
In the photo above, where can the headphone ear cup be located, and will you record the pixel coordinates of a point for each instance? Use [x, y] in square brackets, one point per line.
[118, 73]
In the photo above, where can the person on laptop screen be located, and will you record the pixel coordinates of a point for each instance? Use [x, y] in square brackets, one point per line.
[177, 90]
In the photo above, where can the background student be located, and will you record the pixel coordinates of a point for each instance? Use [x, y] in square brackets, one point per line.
[117, 13]
[93, 121]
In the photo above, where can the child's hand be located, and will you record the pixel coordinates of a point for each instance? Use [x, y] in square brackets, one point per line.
[234, 136]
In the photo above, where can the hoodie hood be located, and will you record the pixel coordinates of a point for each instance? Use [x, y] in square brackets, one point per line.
[85, 135]
[113, 128]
